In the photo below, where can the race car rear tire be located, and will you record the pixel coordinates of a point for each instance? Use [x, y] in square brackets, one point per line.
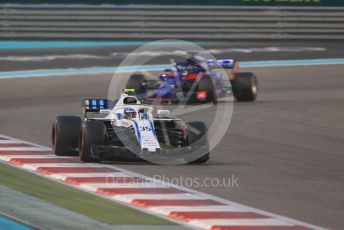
[245, 86]
[92, 134]
[207, 84]
[198, 135]
[65, 135]
[137, 82]
[168, 70]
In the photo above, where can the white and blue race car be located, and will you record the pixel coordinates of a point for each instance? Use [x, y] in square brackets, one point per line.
[127, 129]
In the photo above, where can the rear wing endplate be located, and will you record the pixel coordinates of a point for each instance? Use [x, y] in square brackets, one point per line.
[223, 63]
[95, 105]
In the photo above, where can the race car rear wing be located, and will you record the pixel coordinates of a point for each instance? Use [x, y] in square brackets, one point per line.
[95, 105]
[223, 63]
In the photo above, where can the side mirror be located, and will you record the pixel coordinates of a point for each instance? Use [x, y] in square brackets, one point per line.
[104, 111]
[163, 112]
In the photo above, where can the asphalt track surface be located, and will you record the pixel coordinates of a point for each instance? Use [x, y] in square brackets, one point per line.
[286, 148]
[32, 59]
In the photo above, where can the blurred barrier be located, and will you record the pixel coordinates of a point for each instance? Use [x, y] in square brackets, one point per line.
[178, 22]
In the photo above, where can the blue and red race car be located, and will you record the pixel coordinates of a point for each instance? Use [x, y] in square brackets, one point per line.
[195, 82]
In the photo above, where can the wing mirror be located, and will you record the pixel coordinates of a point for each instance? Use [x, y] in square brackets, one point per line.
[104, 111]
[163, 112]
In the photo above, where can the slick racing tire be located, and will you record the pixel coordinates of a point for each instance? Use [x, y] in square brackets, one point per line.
[207, 84]
[198, 135]
[137, 82]
[168, 70]
[92, 134]
[65, 135]
[245, 87]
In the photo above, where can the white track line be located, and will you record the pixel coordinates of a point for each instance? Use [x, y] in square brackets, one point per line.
[132, 184]
[49, 156]
[95, 187]
[10, 142]
[26, 142]
[224, 208]
[81, 175]
[69, 165]
[20, 149]
[182, 196]
[48, 165]
[9, 157]
[239, 222]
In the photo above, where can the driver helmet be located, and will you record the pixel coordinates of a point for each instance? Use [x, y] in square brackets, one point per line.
[129, 113]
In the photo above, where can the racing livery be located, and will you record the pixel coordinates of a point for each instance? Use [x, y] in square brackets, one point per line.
[126, 128]
[192, 81]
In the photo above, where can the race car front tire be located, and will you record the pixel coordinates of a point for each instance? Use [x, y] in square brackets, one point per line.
[206, 84]
[198, 135]
[92, 134]
[245, 86]
[65, 135]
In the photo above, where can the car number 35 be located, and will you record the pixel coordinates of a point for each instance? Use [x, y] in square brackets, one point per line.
[145, 128]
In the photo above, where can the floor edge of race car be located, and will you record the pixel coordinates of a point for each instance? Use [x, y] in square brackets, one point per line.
[178, 204]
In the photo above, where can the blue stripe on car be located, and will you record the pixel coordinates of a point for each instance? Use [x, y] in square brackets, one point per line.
[101, 104]
[94, 104]
[153, 128]
[138, 131]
